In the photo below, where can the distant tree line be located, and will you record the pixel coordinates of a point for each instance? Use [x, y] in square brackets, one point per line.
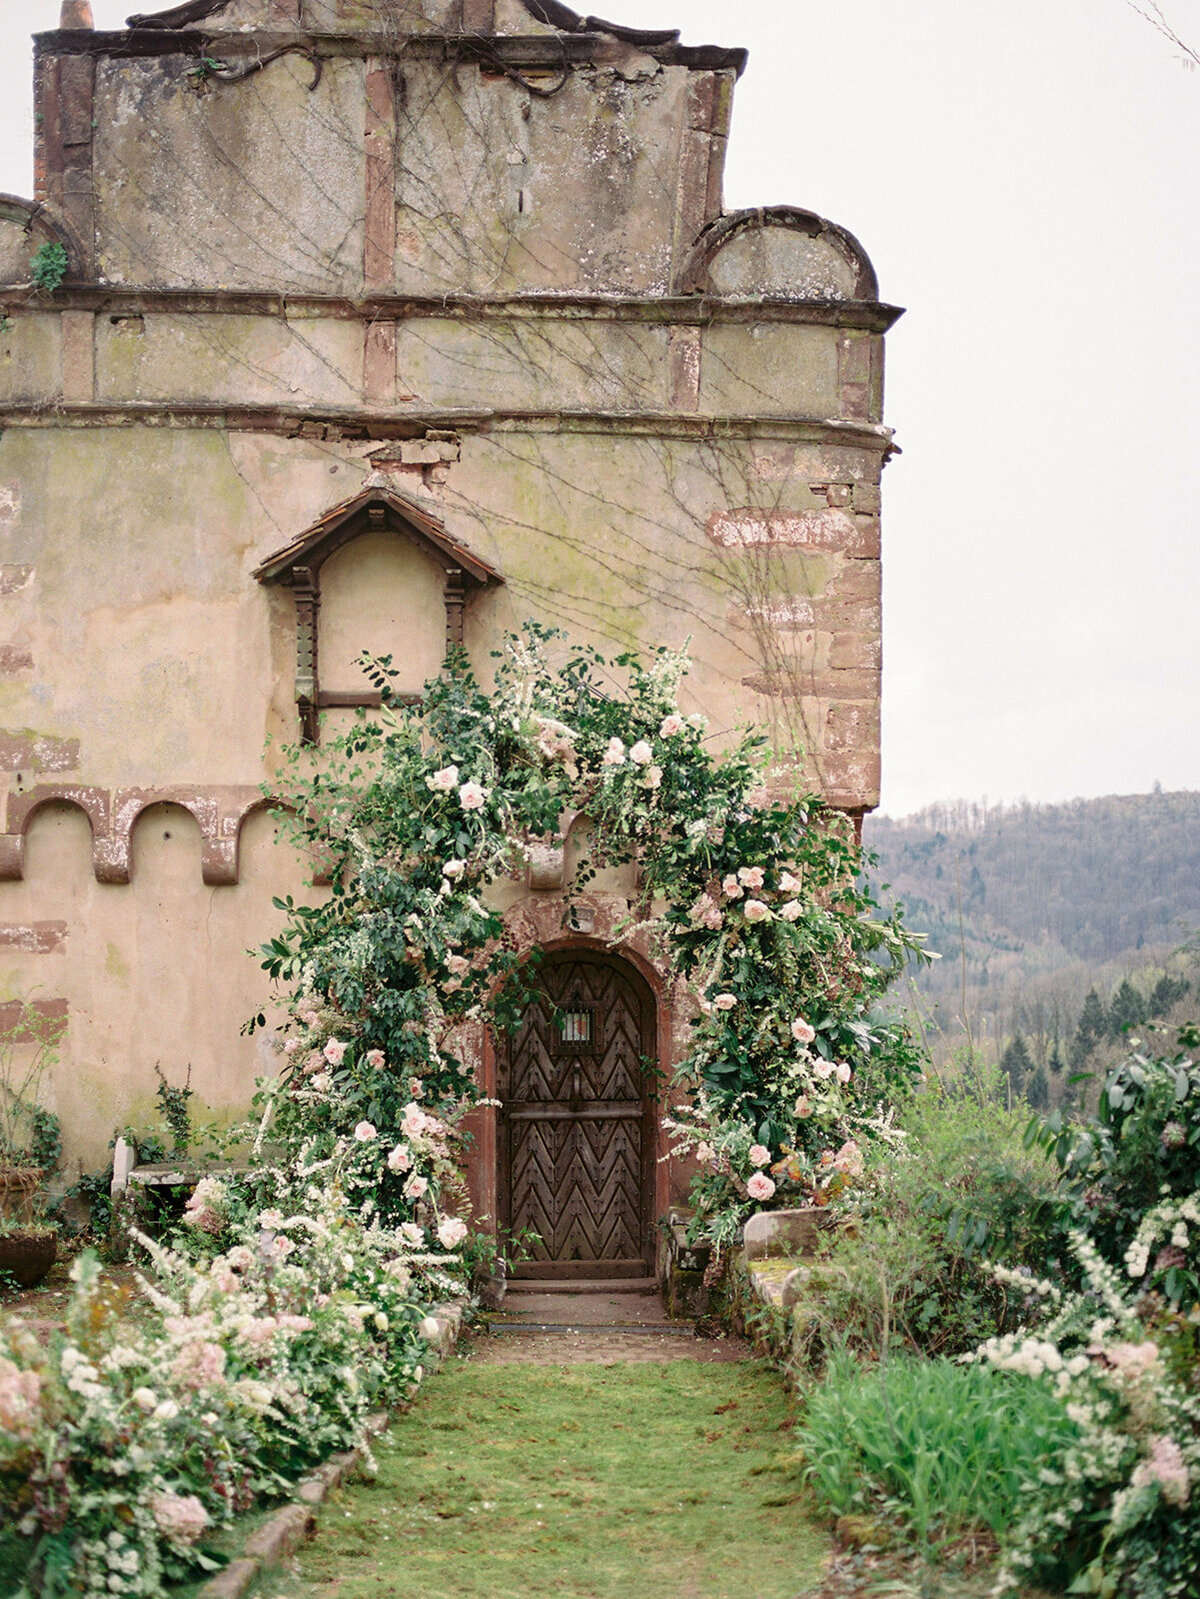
[1096, 877]
[1098, 1023]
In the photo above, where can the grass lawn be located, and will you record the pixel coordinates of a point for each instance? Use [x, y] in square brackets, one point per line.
[581, 1482]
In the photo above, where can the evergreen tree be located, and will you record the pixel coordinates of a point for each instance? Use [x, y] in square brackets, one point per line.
[1093, 1024]
[1015, 1062]
[1055, 1062]
[1128, 1009]
[1038, 1090]
[1168, 991]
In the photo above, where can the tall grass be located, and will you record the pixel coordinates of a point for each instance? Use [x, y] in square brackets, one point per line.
[943, 1449]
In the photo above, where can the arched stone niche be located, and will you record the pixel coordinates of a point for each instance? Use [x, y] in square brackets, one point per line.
[307, 566]
[778, 253]
[25, 225]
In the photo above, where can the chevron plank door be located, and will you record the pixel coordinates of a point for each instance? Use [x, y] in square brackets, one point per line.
[577, 1125]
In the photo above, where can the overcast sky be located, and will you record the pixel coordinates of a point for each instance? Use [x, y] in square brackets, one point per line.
[1024, 176]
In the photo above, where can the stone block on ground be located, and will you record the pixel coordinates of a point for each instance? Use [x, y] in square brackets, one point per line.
[232, 1582]
[779, 1233]
[280, 1534]
[687, 1294]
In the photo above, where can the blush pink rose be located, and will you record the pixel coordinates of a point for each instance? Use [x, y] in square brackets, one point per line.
[334, 1052]
[802, 1032]
[730, 887]
[760, 1155]
[471, 797]
[751, 876]
[375, 1059]
[442, 781]
[760, 1186]
[415, 1187]
[756, 911]
[671, 725]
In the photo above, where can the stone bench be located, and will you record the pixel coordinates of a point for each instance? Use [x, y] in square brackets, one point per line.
[777, 1245]
[130, 1173]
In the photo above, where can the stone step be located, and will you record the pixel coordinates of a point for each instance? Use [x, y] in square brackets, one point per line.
[582, 1285]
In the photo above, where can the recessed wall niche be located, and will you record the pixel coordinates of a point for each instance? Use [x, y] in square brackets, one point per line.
[381, 573]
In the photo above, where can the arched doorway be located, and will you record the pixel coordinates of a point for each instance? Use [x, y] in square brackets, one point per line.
[576, 1145]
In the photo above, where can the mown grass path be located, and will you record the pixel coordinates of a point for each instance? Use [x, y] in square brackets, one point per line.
[517, 1481]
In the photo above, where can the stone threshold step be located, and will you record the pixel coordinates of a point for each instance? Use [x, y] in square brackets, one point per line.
[582, 1285]
[600, 1329]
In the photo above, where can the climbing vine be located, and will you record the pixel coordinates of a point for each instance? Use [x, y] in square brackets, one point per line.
[418, 815]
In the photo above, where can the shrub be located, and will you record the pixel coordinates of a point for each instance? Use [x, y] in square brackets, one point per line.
[910, 1268]
[944, 1449]
[1129, 1176]
[1113, 1510]
[127, 1438]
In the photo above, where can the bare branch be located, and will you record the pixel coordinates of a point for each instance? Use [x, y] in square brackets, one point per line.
[1150, 11]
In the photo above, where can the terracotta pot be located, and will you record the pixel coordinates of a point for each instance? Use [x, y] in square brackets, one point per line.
[18, 1185]
[28, 1256]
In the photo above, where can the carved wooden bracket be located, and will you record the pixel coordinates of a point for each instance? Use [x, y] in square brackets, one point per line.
[298, 567]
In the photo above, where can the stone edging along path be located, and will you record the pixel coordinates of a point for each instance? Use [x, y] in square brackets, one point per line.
[288, 1527]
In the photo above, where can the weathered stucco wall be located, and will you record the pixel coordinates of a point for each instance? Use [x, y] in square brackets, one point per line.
[473, 257]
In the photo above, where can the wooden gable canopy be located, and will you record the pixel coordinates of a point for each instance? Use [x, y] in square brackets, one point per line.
[298, 566]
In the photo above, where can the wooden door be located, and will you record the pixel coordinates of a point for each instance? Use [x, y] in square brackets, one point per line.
[577, 1129]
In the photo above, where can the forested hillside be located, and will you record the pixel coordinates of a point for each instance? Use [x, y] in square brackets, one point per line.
[1033, 907]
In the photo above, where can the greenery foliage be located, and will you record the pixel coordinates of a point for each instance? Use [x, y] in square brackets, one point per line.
[127, 1439]
[1104, 1267]
[1111, 1512]
[419, 814]
[1142, 1148]
[29, 1132]
[910, 1270]
[943, 1449]
[48, 267]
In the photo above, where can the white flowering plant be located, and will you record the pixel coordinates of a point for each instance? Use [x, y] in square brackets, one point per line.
[421, 811]
[1114, 1512]
[1129, 1176]
[127, 1440]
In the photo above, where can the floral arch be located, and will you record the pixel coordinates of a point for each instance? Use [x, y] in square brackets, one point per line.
[442, 828]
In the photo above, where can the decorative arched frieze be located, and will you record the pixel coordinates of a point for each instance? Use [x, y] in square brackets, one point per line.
[219, 812]
[298, 566]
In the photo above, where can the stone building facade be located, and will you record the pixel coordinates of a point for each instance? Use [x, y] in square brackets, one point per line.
[386, 323]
